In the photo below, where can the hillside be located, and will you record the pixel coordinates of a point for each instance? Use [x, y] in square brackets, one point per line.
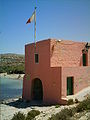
[12, 63]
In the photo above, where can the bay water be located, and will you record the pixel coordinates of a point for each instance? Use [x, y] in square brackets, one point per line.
[10, 88]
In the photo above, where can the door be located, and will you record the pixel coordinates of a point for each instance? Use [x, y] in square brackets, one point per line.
[37, 90]
[69, 85]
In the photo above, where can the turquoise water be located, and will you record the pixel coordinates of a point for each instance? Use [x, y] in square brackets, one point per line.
[10, 88]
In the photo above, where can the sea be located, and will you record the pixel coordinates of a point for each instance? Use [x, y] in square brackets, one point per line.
[10, 88]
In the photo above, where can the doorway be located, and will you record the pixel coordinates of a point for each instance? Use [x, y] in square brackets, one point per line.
[37, 90]
[69, 85]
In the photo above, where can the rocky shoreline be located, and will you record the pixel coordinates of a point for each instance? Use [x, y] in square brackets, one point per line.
[12, 106]
[12, 76]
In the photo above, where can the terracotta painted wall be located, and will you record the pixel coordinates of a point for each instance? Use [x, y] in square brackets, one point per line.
[89, 57]
[66, 53]
[81, 78]
[50, 77]
[57, 61]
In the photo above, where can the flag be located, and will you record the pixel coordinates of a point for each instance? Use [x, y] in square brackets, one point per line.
[31, 18]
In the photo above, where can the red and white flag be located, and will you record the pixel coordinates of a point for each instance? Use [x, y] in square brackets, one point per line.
[31, 18]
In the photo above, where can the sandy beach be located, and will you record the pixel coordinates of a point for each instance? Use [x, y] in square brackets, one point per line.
[12, 76]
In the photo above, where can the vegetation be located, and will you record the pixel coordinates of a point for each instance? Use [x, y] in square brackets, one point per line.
[18, 116]
[69, 114]
[57, 106]
[76, 100]
[31, 115]
[12, 63]
[70, 102]
[84, 105]
[72, 113]
[65, 114]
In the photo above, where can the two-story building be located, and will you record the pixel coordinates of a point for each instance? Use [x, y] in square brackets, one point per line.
[55, 69]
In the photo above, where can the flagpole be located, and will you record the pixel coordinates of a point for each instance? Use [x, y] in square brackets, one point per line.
[35, 28]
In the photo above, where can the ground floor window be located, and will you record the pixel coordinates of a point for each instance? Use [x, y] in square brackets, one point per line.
[69, 85]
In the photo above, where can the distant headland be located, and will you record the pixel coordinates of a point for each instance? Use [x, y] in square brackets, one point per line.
[12, 65]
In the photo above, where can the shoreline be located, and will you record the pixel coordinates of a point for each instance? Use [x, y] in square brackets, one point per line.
[12, 76]
[5, 101]
[13, 106]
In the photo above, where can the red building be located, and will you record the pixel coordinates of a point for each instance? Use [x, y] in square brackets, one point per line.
[55, 69]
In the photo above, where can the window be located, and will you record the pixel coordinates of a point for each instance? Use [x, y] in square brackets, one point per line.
[70, 85]
[84, 59]
[36, 58]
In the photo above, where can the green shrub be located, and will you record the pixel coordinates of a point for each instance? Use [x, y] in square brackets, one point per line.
[65, 114]
[88, 106]
[76, 100]
[84, 105]
[73, 110]
[2, 70]
[57, 106]
[32, 114]
[67, 111]
[70, 102]
[18, 116]
[17, 69]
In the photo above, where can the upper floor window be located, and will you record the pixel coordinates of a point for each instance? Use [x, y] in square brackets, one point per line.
[36, 58]
[85, 54]
[85, 59]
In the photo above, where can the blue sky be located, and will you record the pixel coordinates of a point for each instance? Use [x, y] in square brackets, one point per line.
[61, 19]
